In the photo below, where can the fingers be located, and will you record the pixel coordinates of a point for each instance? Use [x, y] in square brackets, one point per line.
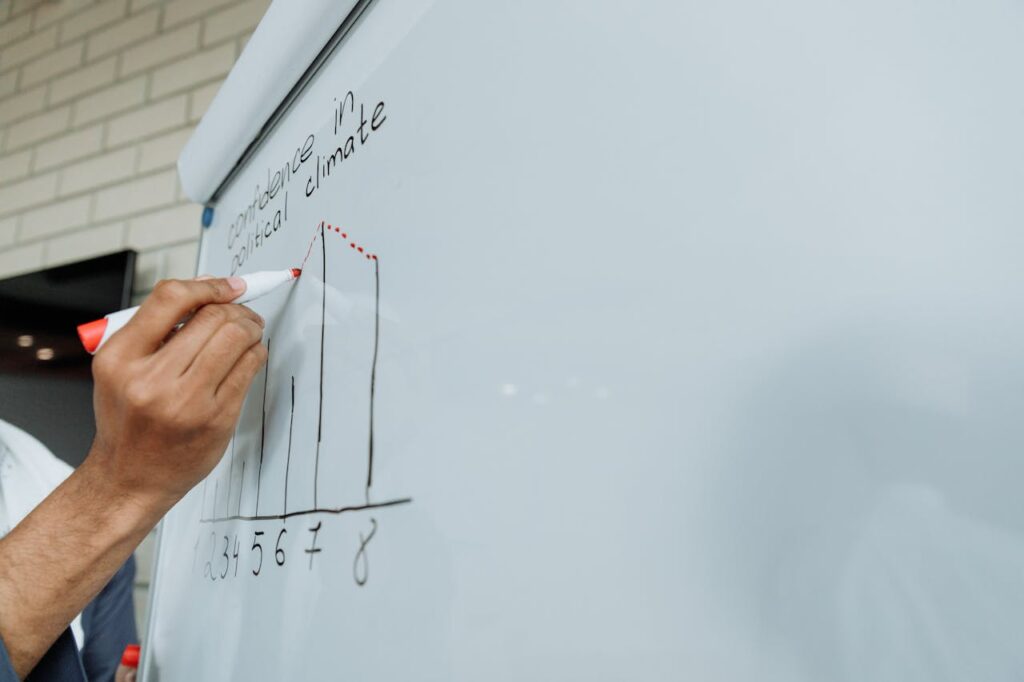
[236, 384]
[180, 351]
[218, 356]
[171, 301]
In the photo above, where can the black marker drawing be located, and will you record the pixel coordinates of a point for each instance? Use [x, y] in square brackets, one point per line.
[313, 549]
[268, 424]
[288, 459]
[373, 368]
[364, 575]
[323, 331]
[263, 427]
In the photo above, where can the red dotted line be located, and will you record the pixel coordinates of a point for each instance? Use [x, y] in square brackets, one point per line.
[369, 256]
[326, 227]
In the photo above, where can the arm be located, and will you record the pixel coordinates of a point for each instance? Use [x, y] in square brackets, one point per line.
[164, 415]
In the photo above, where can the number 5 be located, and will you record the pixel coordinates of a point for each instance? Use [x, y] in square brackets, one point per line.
[255, 546]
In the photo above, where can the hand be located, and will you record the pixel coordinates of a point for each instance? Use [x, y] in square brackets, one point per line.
[166, 405]
[125, 674]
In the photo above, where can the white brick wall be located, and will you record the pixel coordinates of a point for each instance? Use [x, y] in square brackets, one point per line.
[97, 97]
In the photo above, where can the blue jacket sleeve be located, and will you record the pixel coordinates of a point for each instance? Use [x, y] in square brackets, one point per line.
[6, 671]
[61, 663]
[109, 625]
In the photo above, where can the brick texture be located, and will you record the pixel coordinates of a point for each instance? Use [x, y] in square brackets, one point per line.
[52, 63]
[97, 98]
[8, 81]
[50, 123]
[117, 98]
[193, 70]
[22, 104]
[73, 145]
[160, 50]
[15, 166]
[123, 34]
[99, 15]
[83, 80]
[8, 228]
[145, 122]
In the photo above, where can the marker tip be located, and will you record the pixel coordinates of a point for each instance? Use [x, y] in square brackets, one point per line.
[296, 272]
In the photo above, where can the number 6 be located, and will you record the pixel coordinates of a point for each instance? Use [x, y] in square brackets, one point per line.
[278, 552]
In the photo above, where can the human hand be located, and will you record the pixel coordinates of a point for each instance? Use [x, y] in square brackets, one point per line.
[124, 674]
[166, 405]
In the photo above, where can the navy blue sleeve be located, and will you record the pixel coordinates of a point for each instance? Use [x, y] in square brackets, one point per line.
[109, 625]
[6, 670]
[60, 664]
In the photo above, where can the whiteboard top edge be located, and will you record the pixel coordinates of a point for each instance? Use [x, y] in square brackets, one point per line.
[287, 40]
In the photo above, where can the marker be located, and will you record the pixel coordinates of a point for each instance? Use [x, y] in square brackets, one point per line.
[94, 334]
[129, 667]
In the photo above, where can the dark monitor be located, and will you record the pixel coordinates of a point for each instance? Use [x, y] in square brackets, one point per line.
[45, 378]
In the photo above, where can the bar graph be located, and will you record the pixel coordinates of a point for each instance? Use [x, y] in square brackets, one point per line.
[301, 484]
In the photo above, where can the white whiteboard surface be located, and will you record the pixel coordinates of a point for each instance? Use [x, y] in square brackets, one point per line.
[698, 353]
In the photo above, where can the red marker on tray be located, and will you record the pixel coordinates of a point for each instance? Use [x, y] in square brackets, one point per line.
[94, 334]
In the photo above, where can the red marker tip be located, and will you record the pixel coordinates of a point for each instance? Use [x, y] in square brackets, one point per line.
[91, 333]
[296, 272]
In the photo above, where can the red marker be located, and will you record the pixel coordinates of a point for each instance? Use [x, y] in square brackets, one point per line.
[129, 663]
[94, 334]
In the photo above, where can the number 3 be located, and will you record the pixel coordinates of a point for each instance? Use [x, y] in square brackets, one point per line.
[227, 559]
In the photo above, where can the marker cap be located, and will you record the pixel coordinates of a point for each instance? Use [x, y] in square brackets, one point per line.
[130, 657]
[91, 333]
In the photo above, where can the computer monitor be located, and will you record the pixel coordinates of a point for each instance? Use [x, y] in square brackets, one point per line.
[45, 377]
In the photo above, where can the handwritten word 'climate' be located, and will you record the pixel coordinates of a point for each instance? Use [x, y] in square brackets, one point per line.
[325, 163]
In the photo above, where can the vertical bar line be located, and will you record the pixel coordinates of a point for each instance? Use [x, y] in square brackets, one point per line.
[202, 510]
[241, 487]
[373, 369]
[263, 427]
[288, 459]
[323, 326]
[231, 466]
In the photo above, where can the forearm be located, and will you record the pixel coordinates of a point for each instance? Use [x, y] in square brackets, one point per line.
[56, 560]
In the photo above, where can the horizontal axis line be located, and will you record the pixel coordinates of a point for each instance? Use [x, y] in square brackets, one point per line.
[304, 512]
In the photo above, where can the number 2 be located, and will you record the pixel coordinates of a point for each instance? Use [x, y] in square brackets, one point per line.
[208, 566]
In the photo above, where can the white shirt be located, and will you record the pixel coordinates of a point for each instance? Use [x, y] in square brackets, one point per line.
[28, 473]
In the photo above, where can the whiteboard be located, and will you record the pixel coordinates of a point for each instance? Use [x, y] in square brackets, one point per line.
[647, 341]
